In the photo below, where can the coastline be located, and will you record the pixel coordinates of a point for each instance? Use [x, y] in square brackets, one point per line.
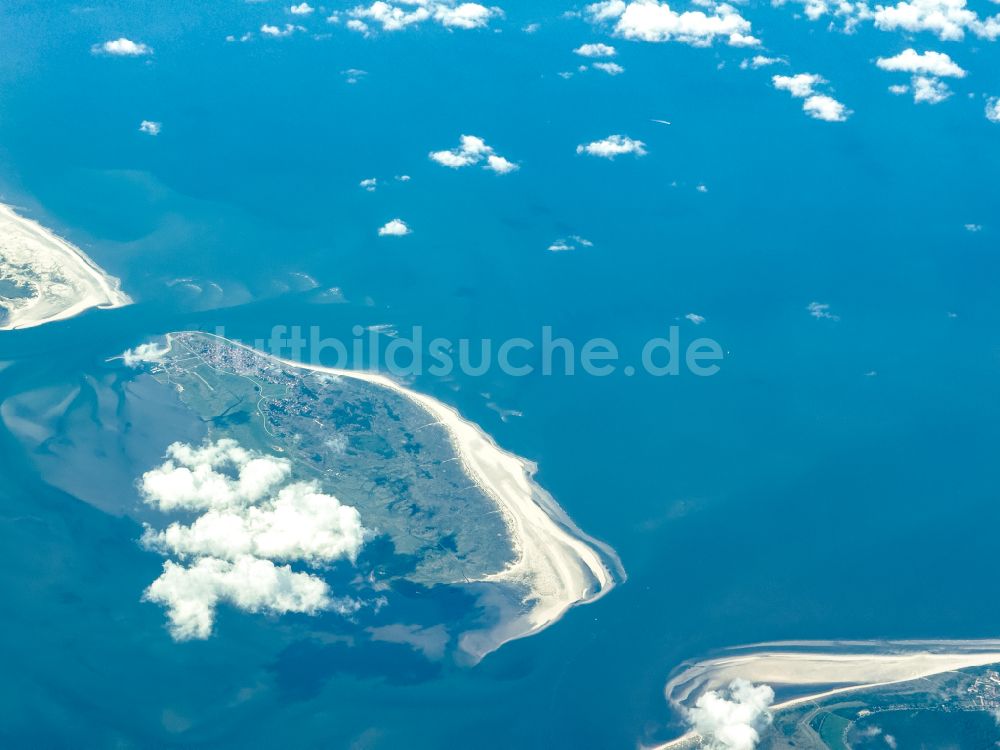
[96, 288]
[864, 671]
[557, 562]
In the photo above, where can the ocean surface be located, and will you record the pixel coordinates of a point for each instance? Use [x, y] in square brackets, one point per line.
[835, 479]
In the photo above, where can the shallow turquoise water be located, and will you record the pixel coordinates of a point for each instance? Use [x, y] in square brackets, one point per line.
[790, 496]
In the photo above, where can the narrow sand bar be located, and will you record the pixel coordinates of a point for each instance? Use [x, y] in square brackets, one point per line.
[45, 278]
[852, 666]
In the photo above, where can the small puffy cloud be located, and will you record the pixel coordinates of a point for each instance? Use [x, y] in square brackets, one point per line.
[595, 50]
[653, 21]
[394, 228]
[298, 523]
[612, 146]
[192, 594]
[403, 177]
[121, 47]
[899, 89]
[732, 719]
[695, 318]
[149, 127]
[821, 310]
[799, 85]
[464, 16]
[500, 165]
[472, 150]
[302, 9]
[143, 354]
[973, 228]
[570, 243]
[947, 19]
[611, 68]
[761, 61]
[369, 184]
[414, 12]
[531, 28]
[353, 75]
[993, 109]
[823, 107]
[853, 13]
[929, 63]
[929, 90]
[249, 516]
[818, 106]
[279, 31]
[190, 479]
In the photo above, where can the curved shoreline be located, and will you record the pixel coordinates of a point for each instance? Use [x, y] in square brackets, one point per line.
[899, 662]
[97, 288]
[558, 563]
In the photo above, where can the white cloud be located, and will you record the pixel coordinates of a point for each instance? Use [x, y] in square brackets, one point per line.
[799, 85]
[396, 17]
[471, 150]
[760, 61]
[973, 227]
[277, 31]
[121, 48]
[464, 16]
[993, 109]
[899, 89]
[403, 177]
[188, 480]
[612, 69]
[695, 318]
[394, 228]
[821, 310]
[369, 184]
[531, 28]
[612, 146]
[247, 520]
[929, 63]
[144, 353]
[818, 106]
[353, 75]
[823, 107]
[571, 243]
[929, 90]
[701, 188]
[595, 50]
[191, 594]
[732, 719]
[947, 19]
[149, 127]
[853, 13]
[298, 523]
[302, 9]
[653, 21]
[500, 165]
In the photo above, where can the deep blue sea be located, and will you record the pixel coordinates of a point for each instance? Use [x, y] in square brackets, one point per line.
[836, 478]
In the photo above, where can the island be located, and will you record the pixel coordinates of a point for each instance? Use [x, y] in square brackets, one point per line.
[45, 278]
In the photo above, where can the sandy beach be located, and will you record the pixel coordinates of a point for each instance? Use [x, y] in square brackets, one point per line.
[556, 564]
[872, 665]
[65, 281]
